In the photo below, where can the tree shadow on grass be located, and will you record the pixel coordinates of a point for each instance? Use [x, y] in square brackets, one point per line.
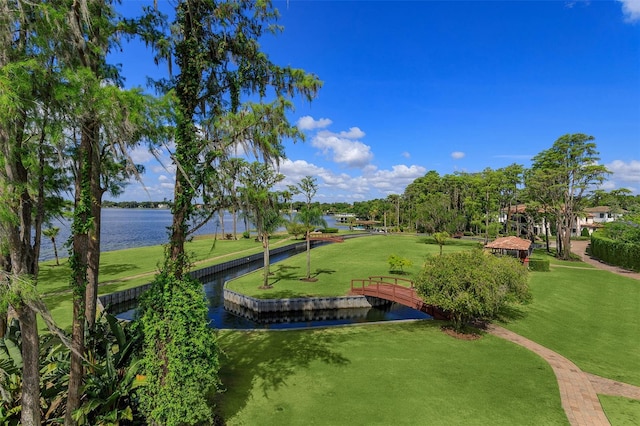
[319, 272]
[510, 313]
[267, 360]
[119, 268]
[283, 272]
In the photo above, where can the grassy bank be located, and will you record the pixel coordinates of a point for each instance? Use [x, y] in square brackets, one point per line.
[408, 373]
[335, 265]
[404, 374]
[128, 268]
[591, 317]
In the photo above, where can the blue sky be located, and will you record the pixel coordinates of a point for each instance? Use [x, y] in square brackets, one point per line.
[413, 86]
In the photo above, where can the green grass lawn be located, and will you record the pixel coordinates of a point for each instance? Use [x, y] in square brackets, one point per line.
[128, 268]
[591, 317]
[335, 265]
[121, 265]
[621, 411]
[402, 374]
[408, 373]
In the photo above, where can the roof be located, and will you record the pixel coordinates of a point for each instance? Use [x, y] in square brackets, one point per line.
[599, 209]
[509, 243]
[520, 209]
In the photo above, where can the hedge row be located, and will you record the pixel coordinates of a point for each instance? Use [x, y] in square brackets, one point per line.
[615, 252]
[541, 265]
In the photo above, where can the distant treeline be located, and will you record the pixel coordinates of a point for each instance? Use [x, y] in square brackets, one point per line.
[136, 204]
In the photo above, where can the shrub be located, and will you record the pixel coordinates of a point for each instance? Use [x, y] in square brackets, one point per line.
[246, 234]
[472, 284]
[615, 252]
[330, 230]
[585, 232]
[296, 229]
[540, 265]
[397, 263]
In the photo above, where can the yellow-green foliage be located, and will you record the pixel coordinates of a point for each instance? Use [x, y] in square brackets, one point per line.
[472, 284]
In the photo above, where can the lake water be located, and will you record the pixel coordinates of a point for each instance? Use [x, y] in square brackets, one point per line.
[127, 228]
[224, 315]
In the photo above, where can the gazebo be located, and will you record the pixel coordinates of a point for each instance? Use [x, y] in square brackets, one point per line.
[512, 246]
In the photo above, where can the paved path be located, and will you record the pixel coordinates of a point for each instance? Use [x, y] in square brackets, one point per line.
[580, 247]
[578, 390]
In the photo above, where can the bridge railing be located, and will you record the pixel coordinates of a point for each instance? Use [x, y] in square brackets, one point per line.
[391, 280]
[376, 283]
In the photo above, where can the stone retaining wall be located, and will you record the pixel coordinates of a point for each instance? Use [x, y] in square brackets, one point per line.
[134, 293]
[299, 304]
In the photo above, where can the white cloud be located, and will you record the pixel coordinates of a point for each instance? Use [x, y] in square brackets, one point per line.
[395, 179]
[371, 183]
[343, 148]
[168, 167]
[141, 155]
[294, 171]
[625, 171]
[406, 154]
[353, 133]
[456, 155]
[631, 10]
[308, 123]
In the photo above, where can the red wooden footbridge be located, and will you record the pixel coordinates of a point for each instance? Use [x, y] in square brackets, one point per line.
[395, 289]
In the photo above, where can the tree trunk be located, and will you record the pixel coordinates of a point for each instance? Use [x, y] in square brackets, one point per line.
[546, 232]
[93, 255]
[31, 366]
[178, 228]
[22, 263]
[308, 254]
[265, 245]
[566, 238]
[486, 220]
[558, 238]
[235, 223]
[55, 250]
[79, 260]
[77, 370]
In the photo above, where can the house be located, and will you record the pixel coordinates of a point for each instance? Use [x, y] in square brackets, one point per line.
[522, 222]
[593, 218]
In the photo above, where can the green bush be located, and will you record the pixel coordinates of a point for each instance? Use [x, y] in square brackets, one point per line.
[615, 252]
[246, 234]
[330, 230]
[540, 265]
[585, 233]
[296, 229]
[397, 263]
[471, 284]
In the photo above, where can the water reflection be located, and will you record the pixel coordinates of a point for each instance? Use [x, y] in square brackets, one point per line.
[226, 315]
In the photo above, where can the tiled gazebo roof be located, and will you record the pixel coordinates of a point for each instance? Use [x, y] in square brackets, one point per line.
[509, 243]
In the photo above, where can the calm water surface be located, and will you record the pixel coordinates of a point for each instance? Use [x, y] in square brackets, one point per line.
[225, 316]
[127, 228]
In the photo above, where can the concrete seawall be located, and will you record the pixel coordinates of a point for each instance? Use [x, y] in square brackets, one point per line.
[299, 304]
[265, 305]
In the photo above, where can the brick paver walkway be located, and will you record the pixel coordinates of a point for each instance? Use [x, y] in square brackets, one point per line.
[578, 390]
[580, 247]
